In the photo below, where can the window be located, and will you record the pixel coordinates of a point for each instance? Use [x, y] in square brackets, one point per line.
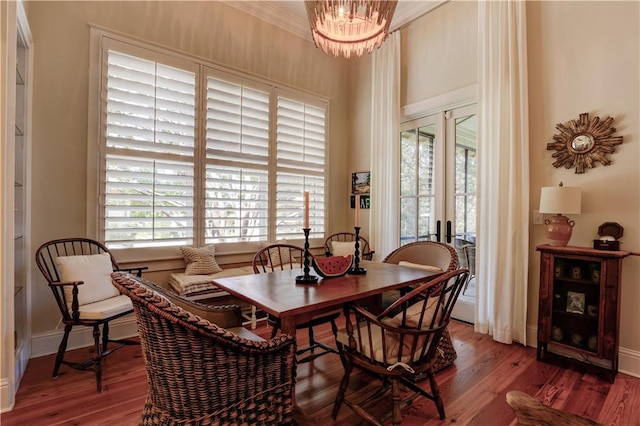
[193, 154]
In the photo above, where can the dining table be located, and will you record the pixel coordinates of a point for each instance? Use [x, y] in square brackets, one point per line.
[278, 294]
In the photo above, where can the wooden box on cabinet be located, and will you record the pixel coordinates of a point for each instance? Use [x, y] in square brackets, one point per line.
[579, 305]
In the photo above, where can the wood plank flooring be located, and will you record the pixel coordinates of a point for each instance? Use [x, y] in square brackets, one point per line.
[473, 389]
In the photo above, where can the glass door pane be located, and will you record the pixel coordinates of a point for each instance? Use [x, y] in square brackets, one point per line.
[418, 170]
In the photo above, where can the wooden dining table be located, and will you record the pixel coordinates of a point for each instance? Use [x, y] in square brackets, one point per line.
[278, 294]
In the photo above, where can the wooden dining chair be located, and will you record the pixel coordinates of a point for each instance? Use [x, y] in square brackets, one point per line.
[343, 244]
[281, 256]
[78, 272]
[397, 345]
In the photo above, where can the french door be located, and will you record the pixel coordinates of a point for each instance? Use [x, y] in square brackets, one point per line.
[438, 168]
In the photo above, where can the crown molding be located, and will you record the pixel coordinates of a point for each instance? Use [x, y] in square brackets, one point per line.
[298, 24]
[275, 15]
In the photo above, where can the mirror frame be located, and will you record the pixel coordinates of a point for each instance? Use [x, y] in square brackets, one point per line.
[570, 147]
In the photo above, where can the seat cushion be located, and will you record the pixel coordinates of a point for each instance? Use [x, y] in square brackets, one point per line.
[279, 257]
[95, 270]
[343, 248]
[200, 261]
[414, 312]
[429, 268]
[106, 308]
[392, 343]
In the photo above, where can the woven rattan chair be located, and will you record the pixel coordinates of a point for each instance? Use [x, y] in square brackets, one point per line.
[397, 345]
[52, 260]
[342, 237]
[200, 373]
[428, 253]
[278, 257]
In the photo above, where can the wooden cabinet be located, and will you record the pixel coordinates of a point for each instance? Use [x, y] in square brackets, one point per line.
[579, 305]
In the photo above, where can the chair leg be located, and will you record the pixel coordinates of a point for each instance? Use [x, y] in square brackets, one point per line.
[312, 340]
[105, 336]
[396, 417]
[344, 383]
[97, 357]
[61, 350]
[435, 391]
[274, 331]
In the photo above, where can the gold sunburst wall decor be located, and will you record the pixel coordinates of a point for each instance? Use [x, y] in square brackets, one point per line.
[583, 143]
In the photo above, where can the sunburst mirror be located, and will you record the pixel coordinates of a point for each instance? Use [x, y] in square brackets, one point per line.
[583, 143]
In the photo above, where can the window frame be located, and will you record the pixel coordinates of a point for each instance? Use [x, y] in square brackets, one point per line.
[96, 145]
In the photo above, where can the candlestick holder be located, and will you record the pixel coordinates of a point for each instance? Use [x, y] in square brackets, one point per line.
[306, 278]
[357, 270]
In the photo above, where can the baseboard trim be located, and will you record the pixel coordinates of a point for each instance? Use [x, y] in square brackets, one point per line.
[47, 343]
[628, 360]
[5, 394]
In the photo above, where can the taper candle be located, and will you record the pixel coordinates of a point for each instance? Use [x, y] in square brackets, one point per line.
[306, 209]
[357, 210]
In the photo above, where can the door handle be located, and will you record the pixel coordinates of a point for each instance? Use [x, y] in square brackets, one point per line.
[438, 230]
[448, 232]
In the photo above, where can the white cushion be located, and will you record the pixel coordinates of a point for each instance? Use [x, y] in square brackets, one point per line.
[106, 308]
[420, 266]
[280, 256]
[95, 270]
[200, 261]
[343, 248]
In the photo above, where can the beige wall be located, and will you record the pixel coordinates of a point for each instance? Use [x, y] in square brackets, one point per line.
[209, 30]
[584, 57]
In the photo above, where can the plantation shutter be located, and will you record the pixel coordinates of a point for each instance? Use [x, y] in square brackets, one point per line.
[300, 164]
[237, 184]
[150, 137]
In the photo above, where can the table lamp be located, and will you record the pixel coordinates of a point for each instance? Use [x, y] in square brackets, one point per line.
[559, 200]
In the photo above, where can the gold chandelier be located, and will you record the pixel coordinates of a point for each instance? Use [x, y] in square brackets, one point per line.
[346, 27]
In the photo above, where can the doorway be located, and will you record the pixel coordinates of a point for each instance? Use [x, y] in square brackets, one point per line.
[438, 191]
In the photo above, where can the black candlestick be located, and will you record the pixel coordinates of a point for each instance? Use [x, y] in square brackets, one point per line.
[357, 270]
[306, 278]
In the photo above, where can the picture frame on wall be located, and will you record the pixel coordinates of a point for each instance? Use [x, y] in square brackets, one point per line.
[360, 183]
[365, 202]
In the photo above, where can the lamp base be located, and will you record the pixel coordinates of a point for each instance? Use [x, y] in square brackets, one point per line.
[559, 229]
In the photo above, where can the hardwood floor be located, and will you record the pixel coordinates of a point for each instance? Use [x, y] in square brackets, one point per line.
[473, 389]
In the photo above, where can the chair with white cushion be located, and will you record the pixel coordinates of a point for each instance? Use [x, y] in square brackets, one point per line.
[78, 271]
[343, 244]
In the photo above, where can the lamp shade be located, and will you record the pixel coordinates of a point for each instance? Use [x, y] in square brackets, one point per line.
[561, 200]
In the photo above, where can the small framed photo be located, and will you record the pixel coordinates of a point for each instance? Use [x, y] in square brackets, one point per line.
[365, 202]
[575, 302]
[360, 182]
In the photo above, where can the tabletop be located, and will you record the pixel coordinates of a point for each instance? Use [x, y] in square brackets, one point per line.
[278, 294]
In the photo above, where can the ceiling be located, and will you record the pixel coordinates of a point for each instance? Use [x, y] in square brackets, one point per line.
[291, 15]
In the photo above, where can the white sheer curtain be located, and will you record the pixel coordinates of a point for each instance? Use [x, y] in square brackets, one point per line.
[503, 216]
[385, 128]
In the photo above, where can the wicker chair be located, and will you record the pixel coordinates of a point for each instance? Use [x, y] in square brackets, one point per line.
[430, 253]
[278, 257]
[87, 298]
[398, 345]
[342, 237]
[200, 373]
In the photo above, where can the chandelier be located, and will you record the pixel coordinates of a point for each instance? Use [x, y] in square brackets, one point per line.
[346, 27]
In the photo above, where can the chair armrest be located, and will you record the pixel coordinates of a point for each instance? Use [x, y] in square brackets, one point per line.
[75, 306]
[66, 283]
[137, 269]
[368, 255]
